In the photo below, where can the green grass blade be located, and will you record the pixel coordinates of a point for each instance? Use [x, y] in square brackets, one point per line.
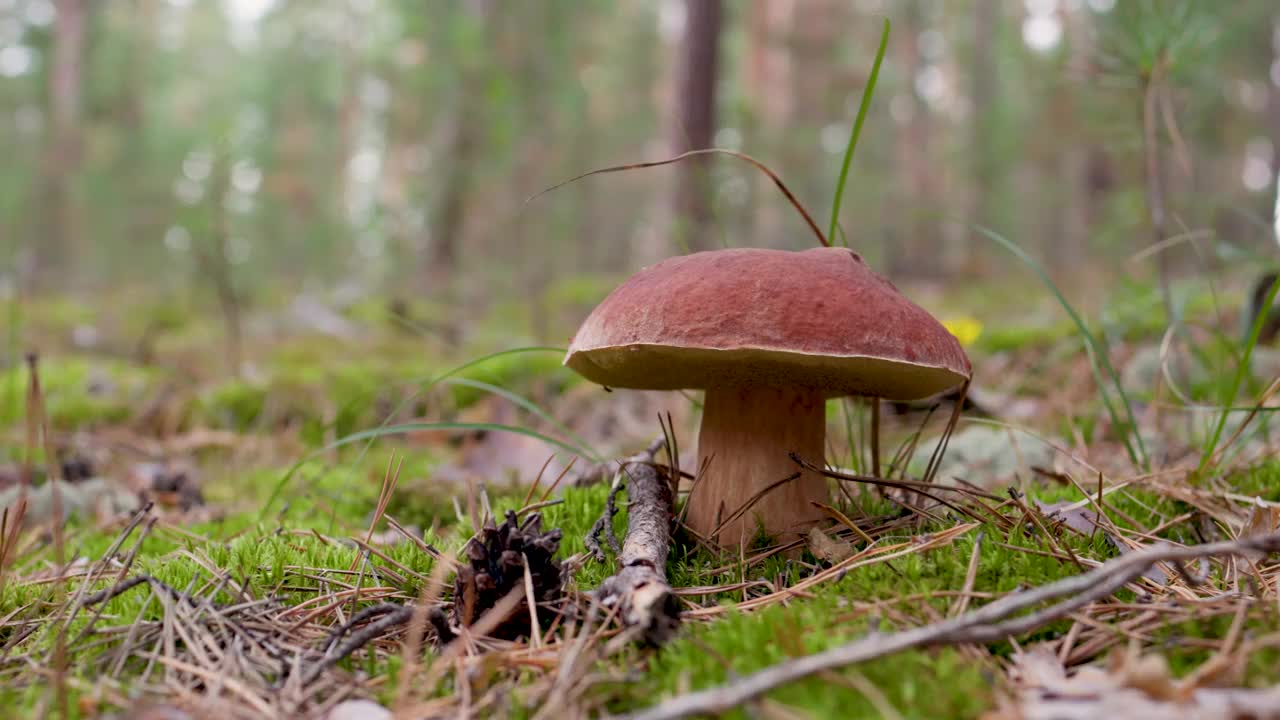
[532, 407]
[1098, 358]
[429, 382]
[374, 434]
[1242, 371]
[402, 428]
[857, 131]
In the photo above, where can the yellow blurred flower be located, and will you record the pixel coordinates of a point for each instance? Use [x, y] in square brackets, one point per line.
[965, 328]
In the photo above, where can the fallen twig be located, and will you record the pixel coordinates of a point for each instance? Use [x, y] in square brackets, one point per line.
[989, 623]
[393, 616]
[639, 590]
[604, 524]
[603, 471]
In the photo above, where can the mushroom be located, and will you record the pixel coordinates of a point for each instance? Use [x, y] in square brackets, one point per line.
[769, 335]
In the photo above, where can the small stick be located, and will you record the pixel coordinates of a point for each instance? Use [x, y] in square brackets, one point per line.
[604, 524]
[639, 591]
[875, 437]
[600, 472]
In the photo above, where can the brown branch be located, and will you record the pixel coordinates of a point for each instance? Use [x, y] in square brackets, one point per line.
[603, 471]
[639, 590]
[990, 623]
[393, 616]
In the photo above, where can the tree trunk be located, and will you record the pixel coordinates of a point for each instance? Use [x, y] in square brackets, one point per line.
[1072, 228]
[62, 152]
[768, 87]
[446, 229]
[696, 122]
[816, 98]
[465, 133]
[1273, 126]
[915, 248]
[215, 265]
[985, 103]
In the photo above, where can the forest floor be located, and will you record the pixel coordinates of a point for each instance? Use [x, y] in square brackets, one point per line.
[279, 544]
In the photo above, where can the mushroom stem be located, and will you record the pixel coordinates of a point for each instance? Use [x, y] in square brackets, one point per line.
[747, 434]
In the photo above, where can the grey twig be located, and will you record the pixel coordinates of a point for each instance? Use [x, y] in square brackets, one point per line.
[639, 589]
[393, 616]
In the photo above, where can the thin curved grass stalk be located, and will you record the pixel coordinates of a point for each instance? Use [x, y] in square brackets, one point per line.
[373, 435]
[532, 407]
[1242, 370]
[683, 156]
[404, 428]
[875, 437]
[935, 460]
[1098, 359]
[431, 381]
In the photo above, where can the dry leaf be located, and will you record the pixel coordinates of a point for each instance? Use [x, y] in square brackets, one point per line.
[1082, 520]
[828, 549]
[358, 710]
[1132, 686]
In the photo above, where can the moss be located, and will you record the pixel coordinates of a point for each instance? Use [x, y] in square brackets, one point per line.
[59, 314]
[78, 391]
[415, 315]
[919, 684]
[842, 611]
[235, 404]
[1008, 338]
[335, 498]
[581, 289]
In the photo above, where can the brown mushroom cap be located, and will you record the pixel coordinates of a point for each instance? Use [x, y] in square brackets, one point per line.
[818, 318]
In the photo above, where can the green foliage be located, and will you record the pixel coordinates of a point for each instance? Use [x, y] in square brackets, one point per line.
[1007, 338]
[232, 404]
[1172, 35]
[920, 684]
[1098, 359]
[1241, 372]
[580, 292]
[78, 391]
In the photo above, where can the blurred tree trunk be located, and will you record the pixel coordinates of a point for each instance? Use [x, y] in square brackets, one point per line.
[915, 248]
[1155, 178]
[215, 265]
[768, 87]
[465, 131]
[351, 72]
[141, 225]
[815, 101]
[1273, 126]
[769, 62]
[57, 223]
[695, 125]
[985, 101]
[1072, 229]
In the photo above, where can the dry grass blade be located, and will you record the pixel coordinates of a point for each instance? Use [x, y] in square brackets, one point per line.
[704, 151]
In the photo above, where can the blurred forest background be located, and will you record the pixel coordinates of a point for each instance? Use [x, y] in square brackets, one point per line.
[234, 153]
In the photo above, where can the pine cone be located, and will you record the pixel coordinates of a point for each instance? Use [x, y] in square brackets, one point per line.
[494, 566]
